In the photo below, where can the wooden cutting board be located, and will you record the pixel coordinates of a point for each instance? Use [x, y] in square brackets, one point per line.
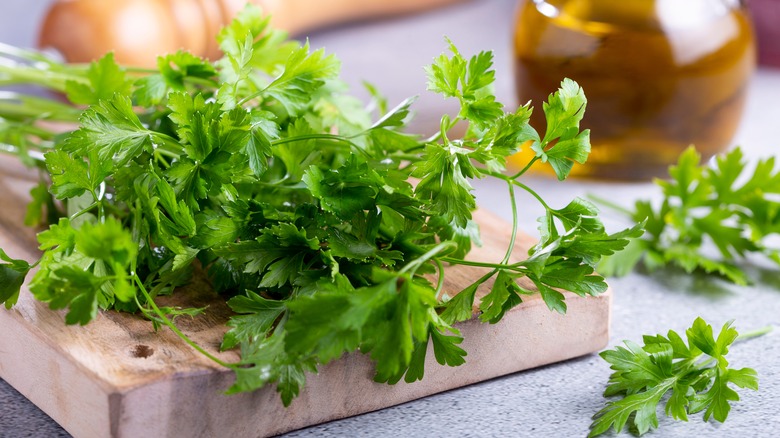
[118, 378]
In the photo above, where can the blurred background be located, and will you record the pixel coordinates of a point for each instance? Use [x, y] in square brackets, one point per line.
[659, 74]
[20, 21]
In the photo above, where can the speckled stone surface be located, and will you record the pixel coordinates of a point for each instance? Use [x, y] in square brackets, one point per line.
[556, 400]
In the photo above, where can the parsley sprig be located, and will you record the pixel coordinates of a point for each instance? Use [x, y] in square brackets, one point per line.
[710, 218]
[691, 378]
[296, 202]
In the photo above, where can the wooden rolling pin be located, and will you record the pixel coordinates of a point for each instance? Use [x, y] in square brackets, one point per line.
[138, 30]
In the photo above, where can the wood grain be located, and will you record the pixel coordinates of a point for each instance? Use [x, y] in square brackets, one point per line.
[116, 377]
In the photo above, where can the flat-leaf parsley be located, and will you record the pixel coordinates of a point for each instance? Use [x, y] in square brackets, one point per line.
[296, 202]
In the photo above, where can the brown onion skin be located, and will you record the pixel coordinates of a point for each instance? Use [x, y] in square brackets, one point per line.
[139, 30]
[84, 30]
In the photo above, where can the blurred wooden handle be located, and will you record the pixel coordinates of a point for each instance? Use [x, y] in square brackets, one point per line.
[138, 30]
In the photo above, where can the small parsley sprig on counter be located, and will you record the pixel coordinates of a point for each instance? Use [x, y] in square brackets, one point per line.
[293, 199]
[723, 206]
[697, 376]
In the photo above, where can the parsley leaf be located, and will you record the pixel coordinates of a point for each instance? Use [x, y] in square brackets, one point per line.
[71, 176]
[470, 81]
[256, 318]
[563, 143]
[105, 78]
[504, 295]
[706, 210]
[113, 131]
[12, 276]
[344, 191]
[85, 268]
[444, 173]
[304, 73]
[697, 375]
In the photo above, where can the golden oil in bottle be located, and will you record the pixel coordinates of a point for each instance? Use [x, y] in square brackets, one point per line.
[659, 75]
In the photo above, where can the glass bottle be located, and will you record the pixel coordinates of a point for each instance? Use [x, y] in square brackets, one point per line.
[659, 75]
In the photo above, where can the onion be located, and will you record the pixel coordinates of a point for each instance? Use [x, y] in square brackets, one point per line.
[138, 30]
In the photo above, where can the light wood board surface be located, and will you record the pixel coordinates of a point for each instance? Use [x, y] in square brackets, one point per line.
[116, 377]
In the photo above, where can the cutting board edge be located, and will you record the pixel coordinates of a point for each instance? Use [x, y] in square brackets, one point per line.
[48, 363]
[128, 411]
[326, 389]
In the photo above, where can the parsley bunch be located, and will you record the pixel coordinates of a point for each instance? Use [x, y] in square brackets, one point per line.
[697, 375]
[722, 206]
[296, 202]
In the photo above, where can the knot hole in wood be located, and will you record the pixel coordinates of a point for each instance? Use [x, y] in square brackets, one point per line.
[142, 351]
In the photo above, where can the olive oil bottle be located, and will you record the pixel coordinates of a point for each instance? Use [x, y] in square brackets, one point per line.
[659, 75]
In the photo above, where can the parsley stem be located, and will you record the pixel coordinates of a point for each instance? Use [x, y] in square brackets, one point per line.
[84, 210]
[166, 152]
[98, 197]
[485, 278]
[22, 74]
[332, 137]
[532, 193]
[511, 180]
[754, 333]
[434, 137]
[442, 132]
[9, 51]
[420, 146]
[456, 261]
[14, 150]
[169, 147]
[515, 223]
[141, 70]
[33, 130]
[254, 95]
[159, 157]
[15, 105]
[407, 157]
[479, 283]
[609, 204]
[173, 327]
[416, 263]
[525, 169]
[201, 81]
[440, 283]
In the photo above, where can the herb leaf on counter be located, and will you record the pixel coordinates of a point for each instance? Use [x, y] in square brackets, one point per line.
[696, 374]
[710, 218]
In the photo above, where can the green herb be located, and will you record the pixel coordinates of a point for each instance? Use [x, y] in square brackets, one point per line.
[293, 199]
[721, 209]
[696, 376]
[12, 276]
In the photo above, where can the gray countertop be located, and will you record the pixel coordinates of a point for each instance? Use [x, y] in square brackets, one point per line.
[556, 400]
